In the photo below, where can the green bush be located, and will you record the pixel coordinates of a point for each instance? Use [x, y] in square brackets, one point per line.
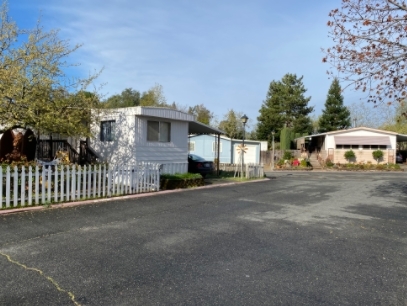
[303, 163]
[329, 163]
[377, 155]
[287, 155]
[349, 155]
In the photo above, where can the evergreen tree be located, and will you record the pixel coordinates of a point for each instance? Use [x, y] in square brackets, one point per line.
[335, 116]
[285, 106]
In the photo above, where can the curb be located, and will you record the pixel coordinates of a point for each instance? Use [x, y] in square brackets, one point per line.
[119, 198]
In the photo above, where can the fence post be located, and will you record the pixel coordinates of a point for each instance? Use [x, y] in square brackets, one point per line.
[68, 179]
[56, 184]
[73, 183]
[80, 175]
[109, 181]
[94, 180]
[83, 181]
[89, 179]
[99, 179]
[37, 186]
[104, 181]
[1, 186]
[61, 197]
[8, 178]
[49, 183]
[22, 196]
[15, 187]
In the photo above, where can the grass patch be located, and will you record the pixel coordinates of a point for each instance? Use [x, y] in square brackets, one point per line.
[181, 176]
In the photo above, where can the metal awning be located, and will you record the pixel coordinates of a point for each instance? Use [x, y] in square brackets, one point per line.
[196, 127]
[362, 140]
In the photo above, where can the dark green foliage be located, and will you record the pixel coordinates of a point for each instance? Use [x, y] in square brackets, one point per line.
[128, 98]
[180, 176]
[335, 116]
[201, 113]
[285, 105]
[287, 155]
[185, 180]
[328, 163]
[377, 155]
[232, 125]
[349, 155]
[284, 139]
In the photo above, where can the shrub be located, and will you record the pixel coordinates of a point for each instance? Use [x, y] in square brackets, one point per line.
[380, 167]
[287, 155]
[328, 162]
[377, 155]
[304, 163]
[349, 155]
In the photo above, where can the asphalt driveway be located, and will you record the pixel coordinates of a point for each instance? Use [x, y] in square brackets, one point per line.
[295, 239]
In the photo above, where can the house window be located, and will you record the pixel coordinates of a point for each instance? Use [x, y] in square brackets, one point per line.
[158, 131]
[107, 129]
[191, 146]
[215, 147]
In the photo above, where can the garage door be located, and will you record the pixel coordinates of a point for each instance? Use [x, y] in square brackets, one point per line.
[249, 156]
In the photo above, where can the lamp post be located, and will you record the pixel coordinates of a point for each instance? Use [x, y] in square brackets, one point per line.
[309, 146]
[244, 119]
[272, 146]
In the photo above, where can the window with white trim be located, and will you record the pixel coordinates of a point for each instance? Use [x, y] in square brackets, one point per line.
[215, 148]
[191, 146]
[107, 129]
[158, 131]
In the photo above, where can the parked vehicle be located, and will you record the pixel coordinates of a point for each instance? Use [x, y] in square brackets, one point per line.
[197, 164]
[399, 158]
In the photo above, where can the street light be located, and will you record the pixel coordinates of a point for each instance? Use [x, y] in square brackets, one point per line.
[244, 119]
[273, 156]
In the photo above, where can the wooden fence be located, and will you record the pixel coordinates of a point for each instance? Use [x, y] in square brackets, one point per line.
[26, 186]
[249, 170]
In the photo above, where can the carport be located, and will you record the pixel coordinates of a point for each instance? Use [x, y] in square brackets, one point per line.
[198, 128]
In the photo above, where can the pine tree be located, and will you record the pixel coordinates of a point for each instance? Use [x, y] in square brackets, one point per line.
[285, 106]
[335, 116]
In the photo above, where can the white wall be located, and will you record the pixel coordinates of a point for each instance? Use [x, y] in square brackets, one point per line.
[162, 152]
[130, 144]
[122, 149]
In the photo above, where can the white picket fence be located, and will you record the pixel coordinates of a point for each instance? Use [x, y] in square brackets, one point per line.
[28, 186]
[249, 170]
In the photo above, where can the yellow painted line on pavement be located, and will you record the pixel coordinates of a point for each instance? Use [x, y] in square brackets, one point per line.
[50, 279]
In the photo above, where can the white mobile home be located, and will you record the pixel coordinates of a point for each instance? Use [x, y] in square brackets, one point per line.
[146, 134]
[362, 140]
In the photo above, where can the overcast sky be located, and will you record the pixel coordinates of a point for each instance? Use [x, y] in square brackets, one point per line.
[222, 54]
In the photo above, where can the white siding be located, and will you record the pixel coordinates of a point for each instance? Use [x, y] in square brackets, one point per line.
[131, 145]
[249, 156]
[162, 152]
[121, 151]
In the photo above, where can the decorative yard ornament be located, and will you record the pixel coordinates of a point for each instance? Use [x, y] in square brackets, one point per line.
[241, 148]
